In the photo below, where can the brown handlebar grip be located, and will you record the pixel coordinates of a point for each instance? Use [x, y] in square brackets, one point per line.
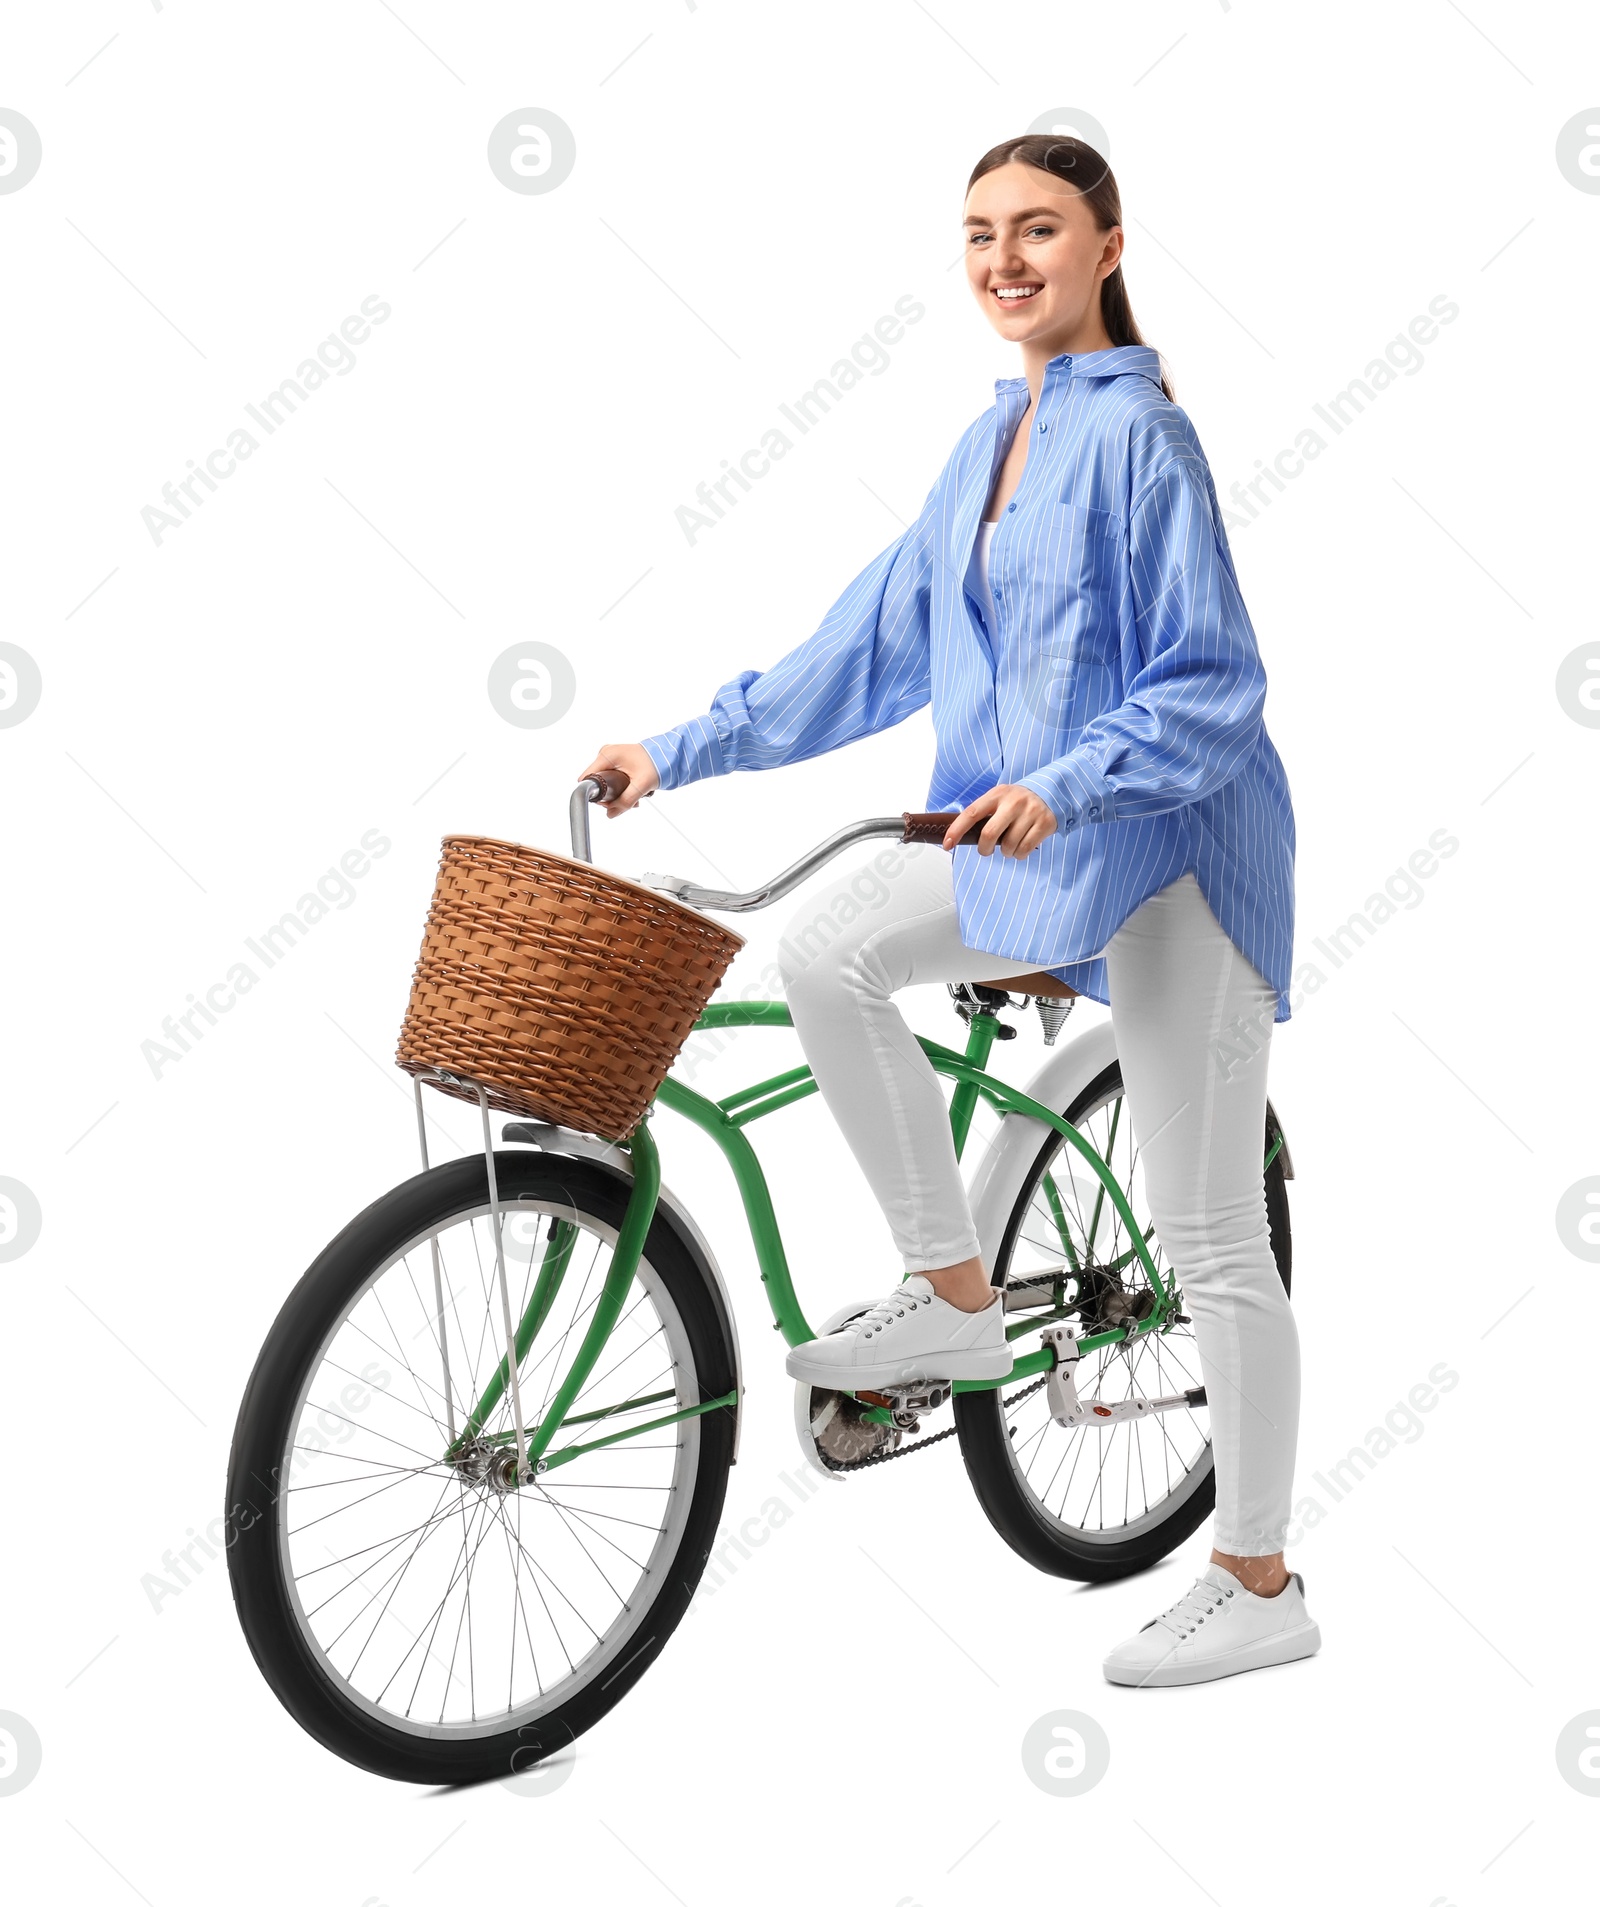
[932, 828]
[611, 782]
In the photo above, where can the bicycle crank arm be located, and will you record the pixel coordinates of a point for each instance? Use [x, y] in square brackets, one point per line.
[1073, 1412]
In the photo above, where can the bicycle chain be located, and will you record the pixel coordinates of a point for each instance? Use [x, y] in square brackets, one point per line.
[922, 1443]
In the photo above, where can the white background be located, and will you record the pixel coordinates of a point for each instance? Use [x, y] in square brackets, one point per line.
[226, 713]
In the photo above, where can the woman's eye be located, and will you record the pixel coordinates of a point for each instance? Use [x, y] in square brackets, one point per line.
[977, 238]
[1040, 231]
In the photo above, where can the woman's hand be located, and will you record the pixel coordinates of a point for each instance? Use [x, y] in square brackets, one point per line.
[631, 760]
[1015, 821]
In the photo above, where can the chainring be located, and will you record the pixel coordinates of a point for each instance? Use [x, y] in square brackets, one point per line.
[843, 1435]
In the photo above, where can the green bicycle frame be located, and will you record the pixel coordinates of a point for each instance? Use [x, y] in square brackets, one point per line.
[724, 1120]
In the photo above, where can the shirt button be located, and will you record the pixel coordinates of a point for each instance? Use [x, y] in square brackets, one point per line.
[1010, 506]
[1043, 428]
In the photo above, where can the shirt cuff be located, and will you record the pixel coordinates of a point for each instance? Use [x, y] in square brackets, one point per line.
[1072, 791]
[689, 752]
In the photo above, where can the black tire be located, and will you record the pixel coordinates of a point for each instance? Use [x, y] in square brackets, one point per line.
[985, 1419]
[278, 1402]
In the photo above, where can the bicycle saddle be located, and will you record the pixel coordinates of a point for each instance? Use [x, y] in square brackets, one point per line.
[1037, 986]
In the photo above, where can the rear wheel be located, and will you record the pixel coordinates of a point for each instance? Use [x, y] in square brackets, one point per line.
[414, 1610]
[1094, 1505]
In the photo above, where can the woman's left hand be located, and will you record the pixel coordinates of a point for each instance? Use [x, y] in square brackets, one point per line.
[1015, 821]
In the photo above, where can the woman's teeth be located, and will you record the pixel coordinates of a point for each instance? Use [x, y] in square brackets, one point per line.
[1014, 294]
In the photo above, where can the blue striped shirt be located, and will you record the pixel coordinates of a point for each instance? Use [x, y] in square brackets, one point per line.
[1118, 678]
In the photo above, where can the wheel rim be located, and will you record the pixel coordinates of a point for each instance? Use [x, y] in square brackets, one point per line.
[1104, 1486]
[433, 1601]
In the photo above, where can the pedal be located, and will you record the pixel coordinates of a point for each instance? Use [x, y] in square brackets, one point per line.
[904, 1402]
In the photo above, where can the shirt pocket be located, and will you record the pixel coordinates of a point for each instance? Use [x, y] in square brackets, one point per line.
[1075, 671]
[1087, 558]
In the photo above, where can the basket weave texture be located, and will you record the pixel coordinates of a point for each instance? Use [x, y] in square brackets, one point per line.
[564, 992]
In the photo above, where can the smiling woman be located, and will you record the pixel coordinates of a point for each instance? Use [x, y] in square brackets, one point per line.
[1067, 603]
[1041, 261]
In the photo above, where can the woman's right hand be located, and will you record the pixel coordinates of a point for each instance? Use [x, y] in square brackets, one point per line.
[631, 760]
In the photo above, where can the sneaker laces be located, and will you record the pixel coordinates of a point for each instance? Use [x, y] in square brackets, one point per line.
[1194, 1606]
[896, 1305]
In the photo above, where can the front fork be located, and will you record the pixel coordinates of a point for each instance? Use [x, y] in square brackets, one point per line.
[532, 1441]
[625, 1256]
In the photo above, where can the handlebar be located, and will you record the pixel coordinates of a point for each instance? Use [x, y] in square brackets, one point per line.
[608, 784]
[930, 829]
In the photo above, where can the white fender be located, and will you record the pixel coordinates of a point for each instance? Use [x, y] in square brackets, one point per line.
[998, 1182]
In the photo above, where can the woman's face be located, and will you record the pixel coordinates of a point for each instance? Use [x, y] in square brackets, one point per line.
[1035, 257]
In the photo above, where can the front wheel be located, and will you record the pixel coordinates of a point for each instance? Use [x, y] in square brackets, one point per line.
[412, 1608]
[1094, 1505]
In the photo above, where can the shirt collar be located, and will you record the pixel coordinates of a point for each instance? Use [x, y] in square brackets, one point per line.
[1120, 360]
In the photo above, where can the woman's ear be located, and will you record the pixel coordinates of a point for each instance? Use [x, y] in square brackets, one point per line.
[1111, 257]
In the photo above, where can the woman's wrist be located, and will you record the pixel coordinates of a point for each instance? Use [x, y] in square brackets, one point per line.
[690, 752]
[1072, 791]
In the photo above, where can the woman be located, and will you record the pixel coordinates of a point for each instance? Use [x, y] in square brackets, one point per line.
[1068, 604]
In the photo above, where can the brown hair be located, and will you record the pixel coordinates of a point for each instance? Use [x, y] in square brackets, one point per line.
[1083, 169]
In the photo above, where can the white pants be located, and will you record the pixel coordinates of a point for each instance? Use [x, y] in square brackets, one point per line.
[1176, 983]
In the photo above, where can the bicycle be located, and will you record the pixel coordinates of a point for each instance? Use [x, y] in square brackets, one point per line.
[462, 1526]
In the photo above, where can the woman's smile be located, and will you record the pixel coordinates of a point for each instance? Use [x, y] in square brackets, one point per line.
[1015, 294]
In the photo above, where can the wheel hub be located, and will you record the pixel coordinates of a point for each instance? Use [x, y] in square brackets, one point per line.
[1105, 1302]
[492, 1466]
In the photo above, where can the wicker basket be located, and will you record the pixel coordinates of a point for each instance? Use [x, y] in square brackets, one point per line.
[564, 992]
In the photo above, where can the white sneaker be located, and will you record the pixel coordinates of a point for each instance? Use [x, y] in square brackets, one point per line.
[1219, 1628]
[911, 1336]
